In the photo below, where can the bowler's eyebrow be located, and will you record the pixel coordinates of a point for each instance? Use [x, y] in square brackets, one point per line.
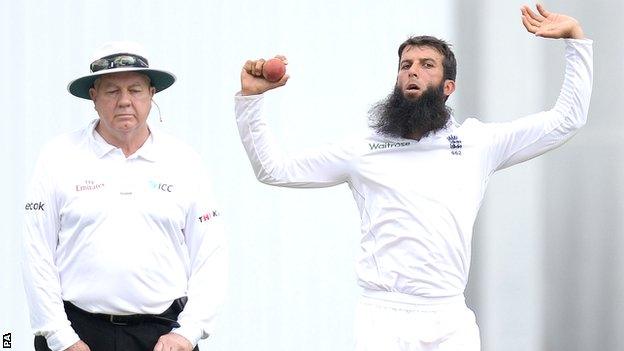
[421, 60]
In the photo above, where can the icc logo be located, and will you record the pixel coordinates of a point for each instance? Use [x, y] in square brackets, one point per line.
[161, 186]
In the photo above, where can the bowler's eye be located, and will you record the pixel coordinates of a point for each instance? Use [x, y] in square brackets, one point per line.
[112, 91]
[405, 65]
[428, 65]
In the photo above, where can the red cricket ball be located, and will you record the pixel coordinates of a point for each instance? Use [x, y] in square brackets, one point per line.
[273, 70]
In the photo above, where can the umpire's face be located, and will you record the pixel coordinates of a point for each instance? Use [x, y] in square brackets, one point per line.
[123, 101]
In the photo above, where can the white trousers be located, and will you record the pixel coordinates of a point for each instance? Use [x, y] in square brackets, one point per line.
[393, 326]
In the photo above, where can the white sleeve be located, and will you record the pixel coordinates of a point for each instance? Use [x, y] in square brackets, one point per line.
[322, 167]
[39, 271]
[531, 136]
[208, 256]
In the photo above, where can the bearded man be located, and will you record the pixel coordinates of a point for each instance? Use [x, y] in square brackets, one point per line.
[418, 180]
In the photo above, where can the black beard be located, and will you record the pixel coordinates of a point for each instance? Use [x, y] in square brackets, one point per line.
[399, 116]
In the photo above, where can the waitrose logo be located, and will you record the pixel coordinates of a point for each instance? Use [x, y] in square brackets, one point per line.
[389, 145]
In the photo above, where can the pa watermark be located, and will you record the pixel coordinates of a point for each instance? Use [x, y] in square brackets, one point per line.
[6, 341]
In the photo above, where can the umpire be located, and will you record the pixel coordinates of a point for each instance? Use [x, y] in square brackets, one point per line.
[123, 243]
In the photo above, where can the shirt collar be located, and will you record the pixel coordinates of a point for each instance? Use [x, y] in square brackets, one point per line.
[100, 147]
[148, 150]
[451, 123]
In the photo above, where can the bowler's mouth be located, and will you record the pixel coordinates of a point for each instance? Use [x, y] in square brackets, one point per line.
[413, 87]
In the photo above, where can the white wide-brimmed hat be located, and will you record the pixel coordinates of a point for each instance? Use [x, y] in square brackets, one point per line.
[119, 56]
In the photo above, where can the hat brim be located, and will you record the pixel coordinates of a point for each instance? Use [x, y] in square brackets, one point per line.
[160, 80]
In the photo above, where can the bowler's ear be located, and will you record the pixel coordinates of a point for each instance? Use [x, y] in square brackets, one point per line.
[449, 87]
[152, 91]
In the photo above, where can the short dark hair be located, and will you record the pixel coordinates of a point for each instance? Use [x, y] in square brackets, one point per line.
[449, 64]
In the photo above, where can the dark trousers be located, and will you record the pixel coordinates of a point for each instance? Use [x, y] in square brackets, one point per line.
[102, 335]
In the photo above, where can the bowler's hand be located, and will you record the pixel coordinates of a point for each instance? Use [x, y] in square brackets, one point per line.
[252, 81]
[550, 25]
[173, 342]
[78, 346]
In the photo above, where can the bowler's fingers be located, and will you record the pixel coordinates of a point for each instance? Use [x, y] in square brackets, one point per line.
[549, 32]
[279, 83]
[283, 58]
[533, 15]
[254, 67]
[248, 66]
[526, 16]
[542, 10]
[528, 25]
[257, 69]
[282, 81]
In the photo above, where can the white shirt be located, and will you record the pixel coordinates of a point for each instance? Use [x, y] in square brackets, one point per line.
[121, 235]
[418, 200]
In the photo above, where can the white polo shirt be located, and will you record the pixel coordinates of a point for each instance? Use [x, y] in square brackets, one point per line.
[418, 200]
[121, 235]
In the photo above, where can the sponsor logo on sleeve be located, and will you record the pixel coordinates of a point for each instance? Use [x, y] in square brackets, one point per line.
[35, 206]
[207, 216]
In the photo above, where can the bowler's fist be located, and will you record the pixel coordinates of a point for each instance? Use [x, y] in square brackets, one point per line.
[258, 76]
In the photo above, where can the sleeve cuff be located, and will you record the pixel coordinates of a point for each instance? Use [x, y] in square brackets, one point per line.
[239, 96]
[580, 41]
[62, 339]
[191, 333]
